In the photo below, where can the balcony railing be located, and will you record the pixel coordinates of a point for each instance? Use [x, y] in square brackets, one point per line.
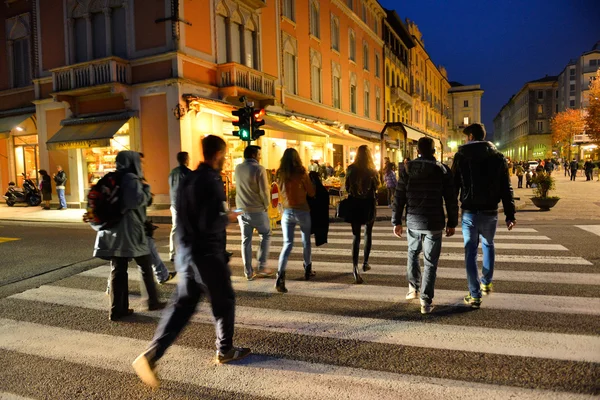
[399, 95]
[233, 74]
[92, 73]
[590, 68]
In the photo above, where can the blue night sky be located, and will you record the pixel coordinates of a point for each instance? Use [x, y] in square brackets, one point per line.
[501, 44]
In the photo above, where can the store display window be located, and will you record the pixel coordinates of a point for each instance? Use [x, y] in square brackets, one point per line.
[99, 161]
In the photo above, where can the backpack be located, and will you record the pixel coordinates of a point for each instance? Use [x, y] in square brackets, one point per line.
[103, 205]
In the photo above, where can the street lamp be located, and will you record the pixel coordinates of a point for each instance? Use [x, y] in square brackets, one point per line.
[497, 144]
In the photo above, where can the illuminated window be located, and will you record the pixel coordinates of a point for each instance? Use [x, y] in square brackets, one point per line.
[466, 121]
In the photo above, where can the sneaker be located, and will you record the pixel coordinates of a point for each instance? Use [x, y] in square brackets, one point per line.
[412, 295]
[426, 308]
[265, 273]
[236, 353]
[249, 277]
[169, 277]
[486, 289]
[144, 368]
[474, 302]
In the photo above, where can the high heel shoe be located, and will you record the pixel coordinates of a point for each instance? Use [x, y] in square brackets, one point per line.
[357, 278]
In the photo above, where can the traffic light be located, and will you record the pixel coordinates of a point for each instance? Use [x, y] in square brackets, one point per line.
[243, 124]
[257, 122]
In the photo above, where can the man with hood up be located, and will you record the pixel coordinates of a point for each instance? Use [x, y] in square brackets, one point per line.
[481, 177]
[127, 239]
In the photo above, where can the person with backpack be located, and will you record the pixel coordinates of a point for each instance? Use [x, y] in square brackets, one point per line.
[202, 264]
[176, 176]
[123, 236]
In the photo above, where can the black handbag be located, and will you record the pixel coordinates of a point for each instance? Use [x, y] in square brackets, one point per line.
[344, 208]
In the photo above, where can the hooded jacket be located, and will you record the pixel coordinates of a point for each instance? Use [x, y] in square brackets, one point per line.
[481, 177]
[127, 238]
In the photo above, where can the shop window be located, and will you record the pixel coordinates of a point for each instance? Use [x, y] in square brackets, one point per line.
[101, 160]
[289, 9]
[27, 158]
[315, 28]
[335, 33]
[352, 46]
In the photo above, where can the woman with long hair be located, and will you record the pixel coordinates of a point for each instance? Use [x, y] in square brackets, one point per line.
[295, 186]
[46, 188]
[362, 181]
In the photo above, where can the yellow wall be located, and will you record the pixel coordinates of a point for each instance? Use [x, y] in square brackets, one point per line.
[198, 36]
[155, 142]
[4, 176]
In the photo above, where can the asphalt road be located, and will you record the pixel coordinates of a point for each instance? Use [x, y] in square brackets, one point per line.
[537, 336]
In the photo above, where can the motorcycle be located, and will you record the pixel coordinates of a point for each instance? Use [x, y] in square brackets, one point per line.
[29, 194]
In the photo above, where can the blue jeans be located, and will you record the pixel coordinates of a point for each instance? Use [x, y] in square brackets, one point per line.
[61, 198]
[289, 219]
[248, 222]
[431, 245]
[160, 270]
[475, 225]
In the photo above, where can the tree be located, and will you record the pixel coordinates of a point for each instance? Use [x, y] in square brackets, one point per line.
[565, 125]
[592, 118]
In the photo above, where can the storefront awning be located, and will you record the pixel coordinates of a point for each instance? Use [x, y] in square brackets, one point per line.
[414, 134]
[83, 136]
[366, 134]
[9, 123]
[285, 128]
[334, 134]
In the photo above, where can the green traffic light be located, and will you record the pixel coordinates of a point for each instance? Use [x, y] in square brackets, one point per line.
[244, 134]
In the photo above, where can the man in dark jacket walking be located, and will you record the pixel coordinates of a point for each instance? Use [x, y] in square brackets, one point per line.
[574, 166]
[423, 189]
[201, 262]
[176, 176]
[481, 176]
[60, 178]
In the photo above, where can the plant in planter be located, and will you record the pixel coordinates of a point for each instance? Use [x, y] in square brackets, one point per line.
[382, 195]
[544, 183]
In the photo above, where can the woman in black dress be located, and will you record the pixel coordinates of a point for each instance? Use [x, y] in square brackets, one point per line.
[362, 181]
[46, 188]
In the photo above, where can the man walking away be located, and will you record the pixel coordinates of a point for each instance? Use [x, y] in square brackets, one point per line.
[481, 176]
[175, 177]
[60, 178]
[589, 170]
[423, 189]
[252, 198]
[574, 166]
[520, 172]
[201, 263]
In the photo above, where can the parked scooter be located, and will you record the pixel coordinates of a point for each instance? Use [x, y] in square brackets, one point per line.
[29, 194]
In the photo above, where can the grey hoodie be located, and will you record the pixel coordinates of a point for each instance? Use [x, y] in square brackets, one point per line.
[127, 238]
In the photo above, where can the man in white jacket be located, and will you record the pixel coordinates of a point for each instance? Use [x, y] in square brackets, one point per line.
[252, 199]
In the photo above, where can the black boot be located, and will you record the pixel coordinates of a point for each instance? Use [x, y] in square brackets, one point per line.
[357, 279]
[280, 283]
[366, 267]
[308, 272]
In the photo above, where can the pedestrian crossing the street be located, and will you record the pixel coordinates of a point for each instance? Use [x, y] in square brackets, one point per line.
[535, 337]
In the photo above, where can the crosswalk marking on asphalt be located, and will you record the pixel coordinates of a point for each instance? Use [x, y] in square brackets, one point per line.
[387, 227]
[595, 229]
[263, 313]
[418, 334]
[10, 396]
[295, 379]
[504, 301]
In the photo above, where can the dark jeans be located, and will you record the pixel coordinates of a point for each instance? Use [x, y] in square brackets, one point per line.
[390, 195]
[356, 228]
[520, 178]
[119, 293]
[589, 174]
[205, 275]
[573, 174]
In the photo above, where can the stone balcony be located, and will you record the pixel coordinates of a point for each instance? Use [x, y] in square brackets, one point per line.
[90, 74]
[235, 79]
[400, 97]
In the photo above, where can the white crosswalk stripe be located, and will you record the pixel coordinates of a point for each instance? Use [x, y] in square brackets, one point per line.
[523, 330]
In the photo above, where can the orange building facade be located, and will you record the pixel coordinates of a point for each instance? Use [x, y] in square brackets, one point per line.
[85, 79]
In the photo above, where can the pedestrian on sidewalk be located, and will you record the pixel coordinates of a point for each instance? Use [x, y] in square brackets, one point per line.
[201, 262]
[567, 168]
[362, 182]
[481, 176]
[295, 187]
[175, 177]
[46, 188]
[389, 176]
[252, 199]
[520, 172]
[60, 179]
[589, 170]
[574, 166]
[423, 189]
[127, 238]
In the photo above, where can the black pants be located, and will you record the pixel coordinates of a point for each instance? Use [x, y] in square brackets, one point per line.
[198, 276]
[356, 231]
[588, 174]
[520, 178]
[119, 292]
[573, 174]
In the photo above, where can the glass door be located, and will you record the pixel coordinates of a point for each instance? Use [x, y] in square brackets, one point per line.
[27, 158]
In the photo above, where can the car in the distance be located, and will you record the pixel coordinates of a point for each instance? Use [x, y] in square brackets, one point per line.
[533, 165]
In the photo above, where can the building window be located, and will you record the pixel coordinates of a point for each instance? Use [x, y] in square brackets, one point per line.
[352, 46]
[367, 99]
[19, 50]
[337, 85]
[378, 105]
[540, 126]
[364, 13]
[556, 109]
[365, 56]
[377, 66]
[466, 103]
[353, 93]
[572, 72]
[466, 121]
[540, 95]
[289, 65]
[315, 76]
[289, 9]
[540, 109]
[557, 94]
[335, 33]
[387, 76]
[314, 20]
[350, 4]
[375, 26]
[572, 87]
[593, 63]
[572, 103]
